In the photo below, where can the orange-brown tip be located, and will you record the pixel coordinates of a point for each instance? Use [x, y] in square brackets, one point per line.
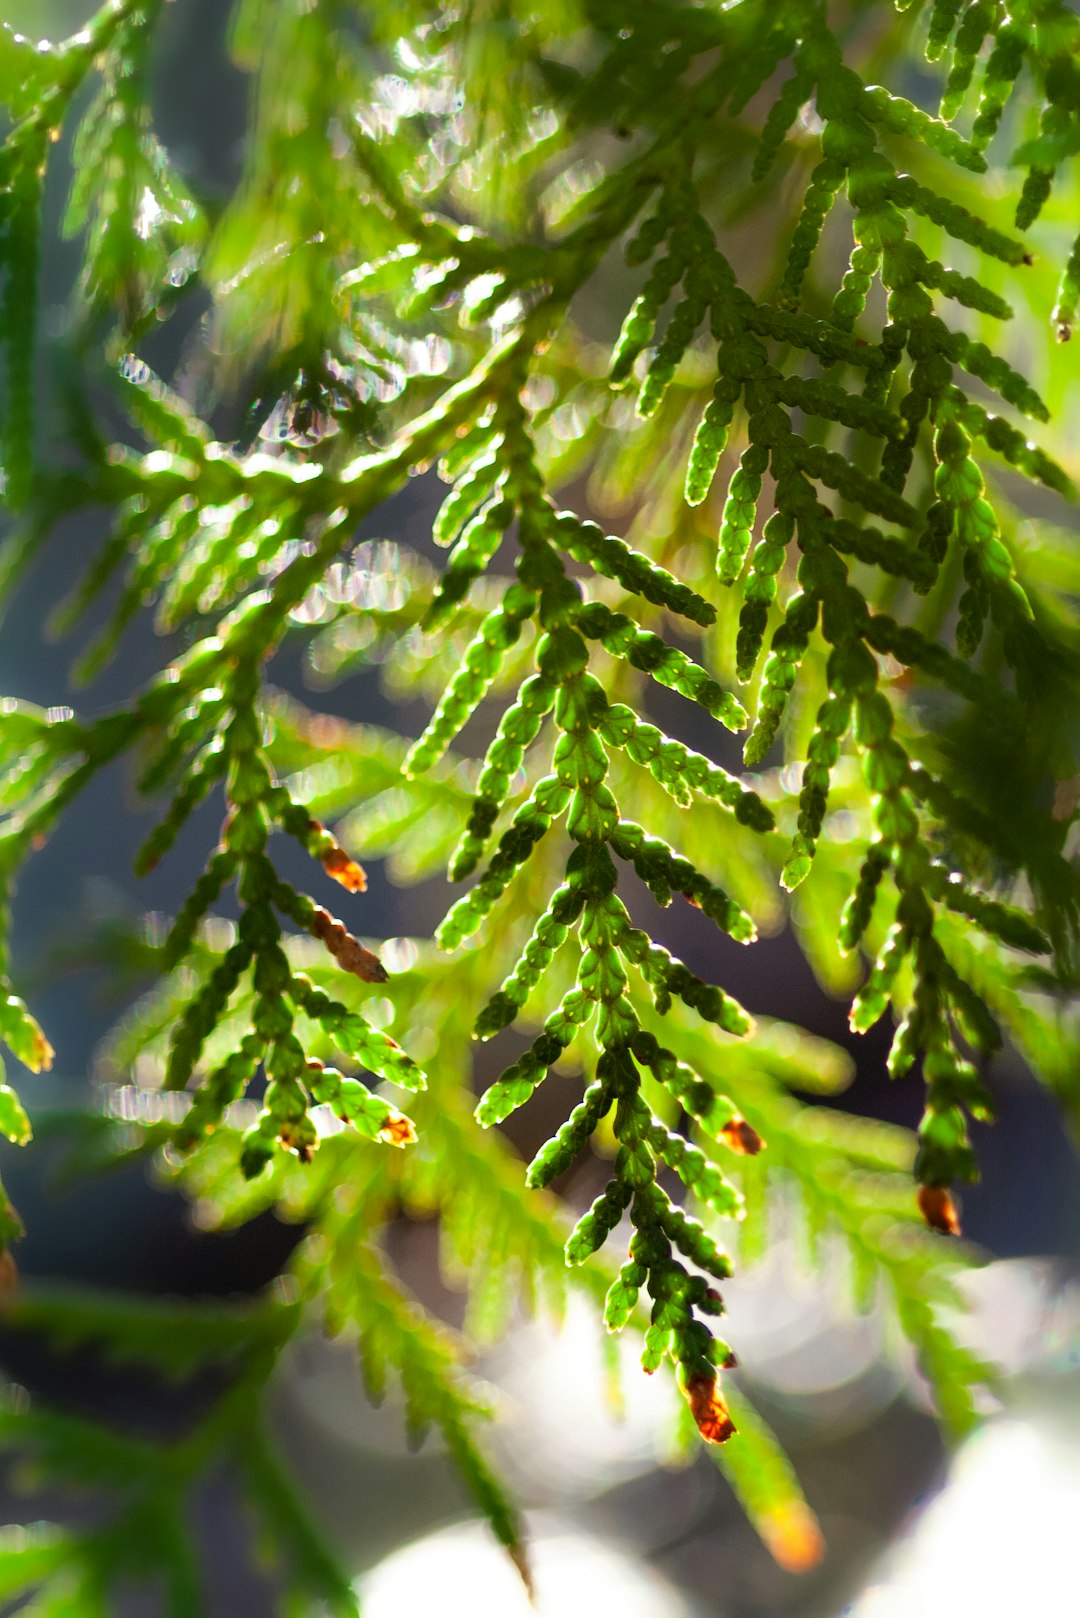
[41, 1055]
[353, 877]
[397, 1130]
[708, 1409]
[741, 1137]
[939, 1210]
[361, 962]
[9, 1274]
[519, 1555]
[294, 1141]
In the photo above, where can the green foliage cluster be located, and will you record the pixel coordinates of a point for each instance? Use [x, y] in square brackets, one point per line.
[822, 511]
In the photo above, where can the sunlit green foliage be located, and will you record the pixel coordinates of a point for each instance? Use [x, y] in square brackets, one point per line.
[793, 428]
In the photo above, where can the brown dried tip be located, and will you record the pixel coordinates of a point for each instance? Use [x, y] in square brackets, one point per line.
[40, 1059]
[397, 1130]
[353, 877]
[361, 962]
[792, 1537]
[294, 1141]
[939, 1210]
[348, 951]
[741, 1137]
[708, 1409]
[9, 1275]
[519, 1555]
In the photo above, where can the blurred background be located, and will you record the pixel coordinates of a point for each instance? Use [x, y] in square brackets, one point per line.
[615, 1523]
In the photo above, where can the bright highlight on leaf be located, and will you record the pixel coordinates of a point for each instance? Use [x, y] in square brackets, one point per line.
[793, 1537]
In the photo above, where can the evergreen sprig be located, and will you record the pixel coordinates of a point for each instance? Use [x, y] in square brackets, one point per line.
[802, 456]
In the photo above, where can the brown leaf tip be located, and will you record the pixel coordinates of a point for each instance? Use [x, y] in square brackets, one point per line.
[348, 951]
[353, 877]
[41, 1054]
[741, 1137]
[397, 1130]
[708, 1409]
[9, 1275]
[518, 1553]
[939, 1210]
[294, 1138]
